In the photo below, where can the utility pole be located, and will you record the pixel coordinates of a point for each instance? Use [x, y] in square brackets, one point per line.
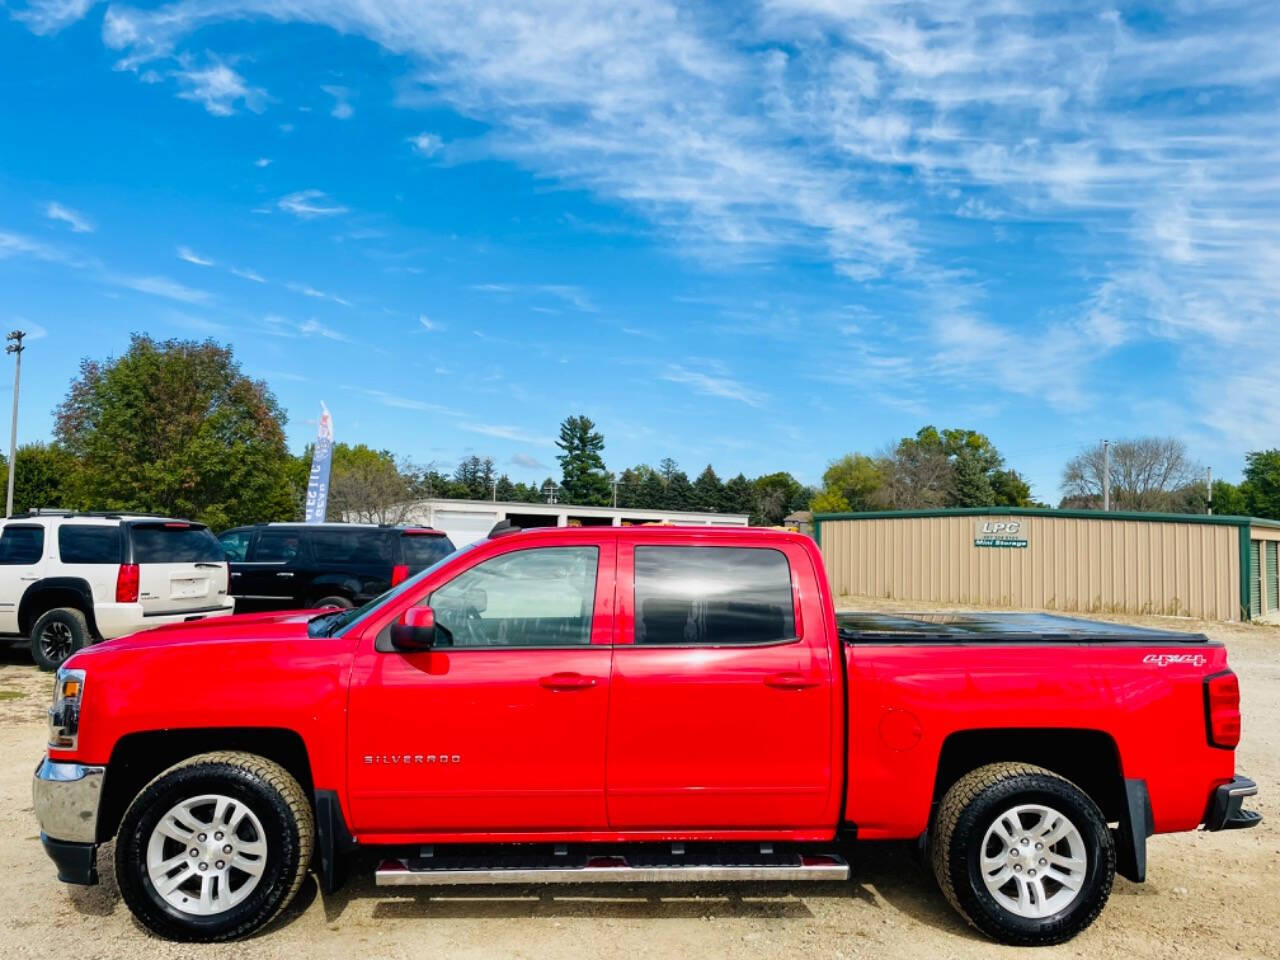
[1208, 485]
[494, 485]
[1106, 475]
[15, 347]
[615, 493]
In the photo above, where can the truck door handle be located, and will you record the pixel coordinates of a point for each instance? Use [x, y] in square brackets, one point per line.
[567, 681]
[284, 573]
[792, 681]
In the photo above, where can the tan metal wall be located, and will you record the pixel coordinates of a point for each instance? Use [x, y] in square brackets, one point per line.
[1114, 566]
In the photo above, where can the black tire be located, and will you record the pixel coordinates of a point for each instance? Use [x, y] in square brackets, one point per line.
[333, 601]
[273, 796]
[972, 806]
[56, 635]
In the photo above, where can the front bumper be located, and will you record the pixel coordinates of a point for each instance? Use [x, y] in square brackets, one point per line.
[66, 799]
[1226, 806]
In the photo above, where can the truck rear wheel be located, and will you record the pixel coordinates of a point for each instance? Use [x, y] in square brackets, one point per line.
[215, 847]
[1023, 854]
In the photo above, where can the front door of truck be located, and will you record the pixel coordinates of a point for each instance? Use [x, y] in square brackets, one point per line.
[722, 712]
[500, 727]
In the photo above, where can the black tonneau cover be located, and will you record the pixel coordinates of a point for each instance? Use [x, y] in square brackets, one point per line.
[949, 628]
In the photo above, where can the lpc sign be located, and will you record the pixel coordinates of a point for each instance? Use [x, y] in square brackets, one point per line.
[999, 533]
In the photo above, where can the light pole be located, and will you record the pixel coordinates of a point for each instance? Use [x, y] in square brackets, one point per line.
[15, 347]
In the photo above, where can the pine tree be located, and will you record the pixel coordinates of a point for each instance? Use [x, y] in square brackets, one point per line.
[970, 481]
[708, 491]
[739, 495]
[585, 480]
[678, 494]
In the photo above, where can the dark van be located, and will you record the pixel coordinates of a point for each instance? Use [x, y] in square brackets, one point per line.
[283, 566]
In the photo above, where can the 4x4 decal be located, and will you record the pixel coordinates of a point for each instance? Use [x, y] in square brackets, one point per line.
[1165, 659]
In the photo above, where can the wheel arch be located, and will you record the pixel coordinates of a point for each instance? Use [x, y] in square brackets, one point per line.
[138, 758]
[1089, 758]
[50, 593]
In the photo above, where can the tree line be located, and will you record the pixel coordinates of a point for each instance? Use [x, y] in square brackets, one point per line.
[176, 427]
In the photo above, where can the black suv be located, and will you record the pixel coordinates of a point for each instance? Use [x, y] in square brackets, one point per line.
[284, 566]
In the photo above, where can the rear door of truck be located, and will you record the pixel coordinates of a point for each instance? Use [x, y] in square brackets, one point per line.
[181, 567]
[722, 712]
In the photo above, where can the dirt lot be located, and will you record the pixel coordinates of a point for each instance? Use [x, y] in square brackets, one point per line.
[1207, 895]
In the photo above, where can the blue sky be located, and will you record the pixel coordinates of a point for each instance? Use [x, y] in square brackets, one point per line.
[759, 234]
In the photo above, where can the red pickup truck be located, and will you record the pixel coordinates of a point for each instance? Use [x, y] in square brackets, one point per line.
[632, 704]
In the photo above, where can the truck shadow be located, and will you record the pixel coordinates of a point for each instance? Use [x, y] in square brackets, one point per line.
[886, 876]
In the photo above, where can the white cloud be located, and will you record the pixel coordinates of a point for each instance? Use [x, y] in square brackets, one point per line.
[218, 88]
[715, 384]
[159, 286]
[527, 461]
[342, 108]
[50, 16]
[426, 144]
[310, 204]
[428, 324]
[246, 273]
[502, 432]
[309, 291]
[279, 326]
[189, 255]
[15, 244]
[78, 222]
[262, 162]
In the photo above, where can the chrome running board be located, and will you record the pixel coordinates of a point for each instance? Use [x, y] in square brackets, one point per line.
[611, 867]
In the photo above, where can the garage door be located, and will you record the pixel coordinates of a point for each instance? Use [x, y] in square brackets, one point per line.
[1255, 579]
[1272, 587]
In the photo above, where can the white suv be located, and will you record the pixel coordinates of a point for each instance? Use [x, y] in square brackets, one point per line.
[70, 579]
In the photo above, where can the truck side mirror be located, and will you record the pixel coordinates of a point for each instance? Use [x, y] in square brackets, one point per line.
[416, 630]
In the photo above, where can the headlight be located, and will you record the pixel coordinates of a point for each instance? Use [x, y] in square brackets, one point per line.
[64, 715]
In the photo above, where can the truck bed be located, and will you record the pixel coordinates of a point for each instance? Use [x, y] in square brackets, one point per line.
[985, 627]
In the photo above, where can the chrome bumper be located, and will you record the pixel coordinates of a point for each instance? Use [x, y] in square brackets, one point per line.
[66, 799]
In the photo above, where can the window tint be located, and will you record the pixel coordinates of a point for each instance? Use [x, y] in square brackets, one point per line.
[84, 544]
[528, 598]
[350, 547]
[156, 543]
[235, 543]
[713, 595]
[21, 545]
[277, 546]
[423, 549]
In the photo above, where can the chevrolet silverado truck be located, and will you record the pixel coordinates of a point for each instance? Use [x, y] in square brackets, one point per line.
[601, 705]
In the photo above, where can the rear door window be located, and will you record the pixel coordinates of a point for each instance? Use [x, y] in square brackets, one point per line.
[235, 544]
[175, 543]
[719, 596]
[21, 546]
[277, 546]
[350, 548]
[424, 549]
[81, 543]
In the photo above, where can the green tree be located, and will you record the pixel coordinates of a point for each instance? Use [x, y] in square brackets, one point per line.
[175, 427]
[830, 501]
[855, 480]
[708, 491]
[39, 477]
[1010, 489]
[739, 495]
[678, 494]
[584, 478]
[506, 490]
[970, 481]
[1261, 487]
[776, 495]
[368, 486]
[1229, 499]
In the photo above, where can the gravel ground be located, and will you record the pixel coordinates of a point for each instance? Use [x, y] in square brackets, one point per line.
[1207, 895]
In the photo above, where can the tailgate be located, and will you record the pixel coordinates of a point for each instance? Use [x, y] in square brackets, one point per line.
[181, 568]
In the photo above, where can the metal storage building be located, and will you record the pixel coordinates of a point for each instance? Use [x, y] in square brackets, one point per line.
[466, 521]
[1210, 567]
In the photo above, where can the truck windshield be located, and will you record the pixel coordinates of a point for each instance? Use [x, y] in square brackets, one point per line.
[337, 622]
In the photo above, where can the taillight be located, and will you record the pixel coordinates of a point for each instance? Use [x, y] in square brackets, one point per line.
[1222, 709]
[399, 574]
[127, 583]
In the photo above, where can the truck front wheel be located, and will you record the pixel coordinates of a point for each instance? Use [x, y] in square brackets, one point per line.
[215, 847]
[1023, 854]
